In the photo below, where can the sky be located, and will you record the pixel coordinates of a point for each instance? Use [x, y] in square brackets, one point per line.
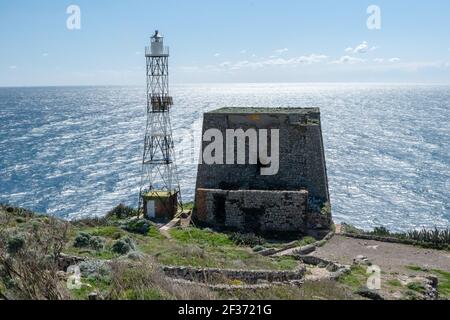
[42, 43]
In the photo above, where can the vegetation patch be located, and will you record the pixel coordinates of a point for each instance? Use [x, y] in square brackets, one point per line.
[394, 283]
[123, 246]
[434, 239]
[316, 290]
[247, 239]
[201, 236]
[444, 283]
[356, 279]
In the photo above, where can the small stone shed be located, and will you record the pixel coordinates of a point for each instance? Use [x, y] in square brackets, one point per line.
[160, 204]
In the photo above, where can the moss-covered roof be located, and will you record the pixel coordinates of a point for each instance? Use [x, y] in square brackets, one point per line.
[157, 194]
[247, 110]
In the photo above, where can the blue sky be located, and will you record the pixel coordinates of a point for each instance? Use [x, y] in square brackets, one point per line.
[225, 41]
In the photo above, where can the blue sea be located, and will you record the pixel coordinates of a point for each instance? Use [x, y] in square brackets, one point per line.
[75, 152]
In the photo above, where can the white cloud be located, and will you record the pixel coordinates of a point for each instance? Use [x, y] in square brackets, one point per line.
[13, 67]
[361, 48]
[378, 60]
[275, 61]
[348, 60]
[244, 51]
[45, 54]
[394, 60]
[312, 58]
[283, 50]
[216, 54]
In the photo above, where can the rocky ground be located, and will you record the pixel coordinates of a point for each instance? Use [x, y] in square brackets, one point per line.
[390, 257]
[124, 257]
[405, 270]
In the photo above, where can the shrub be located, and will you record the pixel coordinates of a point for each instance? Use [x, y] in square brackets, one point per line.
[247, 239]
[82, 240]
[97, 243]
[86, 240]
[381, 231]
[121, 212]
[258, 248]
[123, 246]
[140, 226]
[15, 244]
[31, 273]
[439, 239]
[326, 209]
[20, 220]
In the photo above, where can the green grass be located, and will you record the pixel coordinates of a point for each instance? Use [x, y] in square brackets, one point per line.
[188, 206]
[200, 236]
[356, 279]
[107, 232]
[147, 294]
[417, 287]
[153, 232]
[416, 268]
[444, 283]
[443, 277]
[104, 254]
[394, 283]
[208, 249]
[286, 263]
[321, 290]
[88, 286]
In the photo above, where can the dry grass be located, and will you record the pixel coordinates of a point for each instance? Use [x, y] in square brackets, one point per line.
[317, 290]
[144, 280]
[28, 259]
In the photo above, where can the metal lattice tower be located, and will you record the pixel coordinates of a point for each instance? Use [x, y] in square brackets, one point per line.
[159, 172]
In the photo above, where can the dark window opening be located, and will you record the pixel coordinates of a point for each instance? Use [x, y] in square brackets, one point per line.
[219, 209]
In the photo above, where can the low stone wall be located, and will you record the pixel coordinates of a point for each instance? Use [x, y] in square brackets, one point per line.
[292, 248]
[230, 288]
[255, 211]
[336, 270]
[365, 236]
[213, 276]
[64, 261]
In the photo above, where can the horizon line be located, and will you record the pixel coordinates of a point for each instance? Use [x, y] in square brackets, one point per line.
[230, 83]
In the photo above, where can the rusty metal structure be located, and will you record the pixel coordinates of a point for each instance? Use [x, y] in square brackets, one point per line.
[159, 171]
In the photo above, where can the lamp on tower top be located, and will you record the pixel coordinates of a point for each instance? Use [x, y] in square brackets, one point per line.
[157, 45]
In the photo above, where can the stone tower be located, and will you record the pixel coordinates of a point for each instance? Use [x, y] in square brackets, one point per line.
[291, 202]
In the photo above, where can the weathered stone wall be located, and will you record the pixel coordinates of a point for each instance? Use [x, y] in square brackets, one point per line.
[208, 275]
[301, 167]
[256, 211]
[302, 160]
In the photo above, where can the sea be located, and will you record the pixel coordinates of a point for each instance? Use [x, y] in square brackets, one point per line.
[76, 152]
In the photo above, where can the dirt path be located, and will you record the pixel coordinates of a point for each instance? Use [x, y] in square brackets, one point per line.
[390, 257]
